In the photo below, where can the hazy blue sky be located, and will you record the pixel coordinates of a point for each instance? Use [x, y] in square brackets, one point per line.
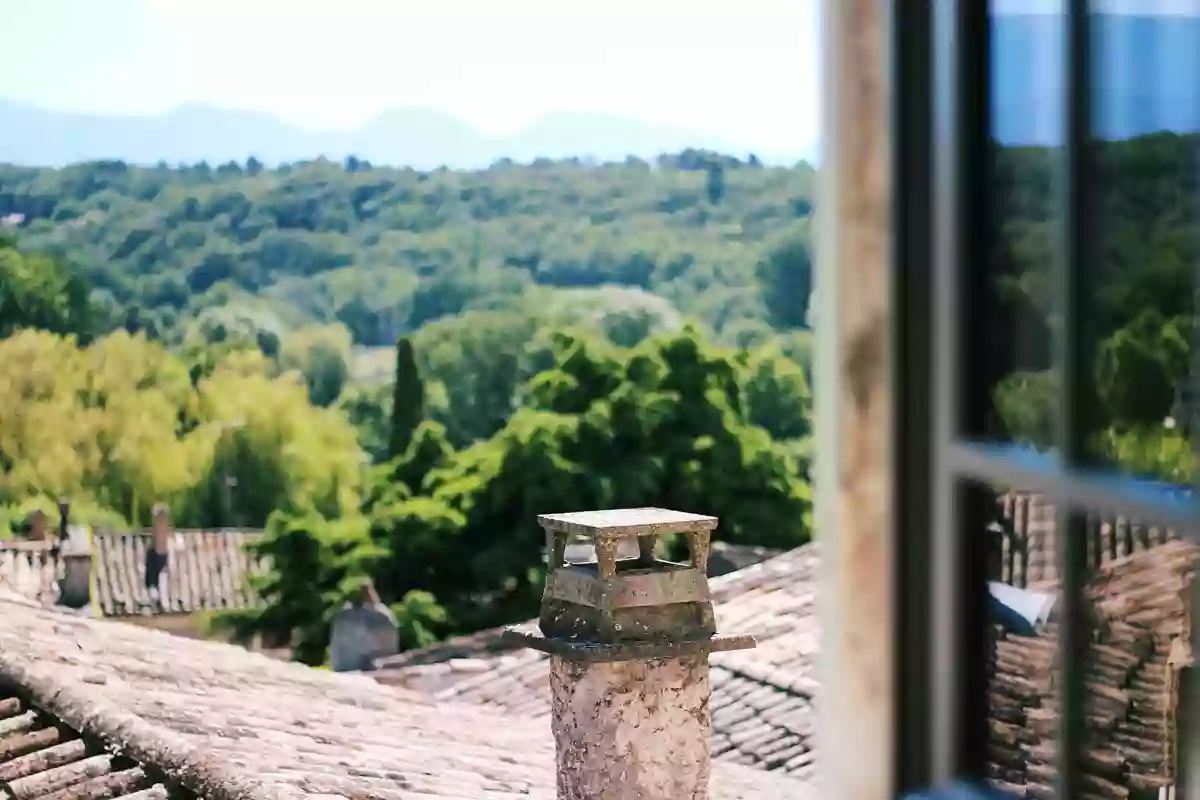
[747, 70]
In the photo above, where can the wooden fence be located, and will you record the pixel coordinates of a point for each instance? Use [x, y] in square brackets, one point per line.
[1024, 547]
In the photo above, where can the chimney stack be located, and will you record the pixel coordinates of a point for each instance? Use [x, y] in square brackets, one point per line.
[161, 521]
[37, 526]
[362, 631]
[158, 554]
[75, 586]
[629, 641]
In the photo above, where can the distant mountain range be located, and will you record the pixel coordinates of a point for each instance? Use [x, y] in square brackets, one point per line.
[1147, 82]
[417, 137]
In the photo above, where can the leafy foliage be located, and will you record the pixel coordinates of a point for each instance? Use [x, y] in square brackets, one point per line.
[408, 399]
[662, 424]
[37, 291]
[1141, 304]
[325, 566]
[384, 251]
[397, 371]
[120, 424]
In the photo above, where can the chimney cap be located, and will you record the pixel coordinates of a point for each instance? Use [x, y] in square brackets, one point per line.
[619, 523]
[615, 600]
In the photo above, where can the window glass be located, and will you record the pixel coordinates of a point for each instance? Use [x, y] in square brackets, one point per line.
[1139, 255]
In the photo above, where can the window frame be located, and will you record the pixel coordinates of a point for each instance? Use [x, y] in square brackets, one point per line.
[942, 462]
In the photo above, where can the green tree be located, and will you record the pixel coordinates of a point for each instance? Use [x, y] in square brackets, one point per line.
[316, 566]
[663, 424]
[408, 399]
[785, 277]
[37, 291]
[715, 183]
[322, 356]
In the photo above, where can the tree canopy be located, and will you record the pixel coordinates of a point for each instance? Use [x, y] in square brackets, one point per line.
[1140, 306]
[671, 422]
[384, 250]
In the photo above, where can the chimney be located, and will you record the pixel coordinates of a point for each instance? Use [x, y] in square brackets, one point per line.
[37, 525]
[363, 630]
[629, 641]
[158, 554]
[161, 517]
[75, 586]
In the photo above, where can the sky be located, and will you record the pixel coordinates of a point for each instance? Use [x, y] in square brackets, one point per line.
[747, 71]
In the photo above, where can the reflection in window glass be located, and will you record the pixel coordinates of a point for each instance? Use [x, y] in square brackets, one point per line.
[1139, 404]
[1142, 255]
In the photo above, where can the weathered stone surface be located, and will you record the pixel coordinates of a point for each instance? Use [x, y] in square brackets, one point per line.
[640, 598]
[629, 650]
[622, 522]
[574, 621]
[632, 730]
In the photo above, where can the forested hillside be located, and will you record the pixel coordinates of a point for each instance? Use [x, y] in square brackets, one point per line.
[570, 336]
[384, 251]
[396, 371]
[1140, 305]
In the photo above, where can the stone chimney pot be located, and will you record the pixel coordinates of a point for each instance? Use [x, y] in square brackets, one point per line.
[161, 518]
[629, 641]
[37, 525]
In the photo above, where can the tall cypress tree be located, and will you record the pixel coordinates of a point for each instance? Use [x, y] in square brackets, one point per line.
[408, 399]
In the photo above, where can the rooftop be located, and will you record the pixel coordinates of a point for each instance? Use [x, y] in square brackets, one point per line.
[222, 722]
[206, 570]
[763, 712]
[763, 699]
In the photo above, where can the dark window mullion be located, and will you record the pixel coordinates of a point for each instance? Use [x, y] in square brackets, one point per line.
[1075, 354]
[975, 303]
[963, 399]
[909, 39]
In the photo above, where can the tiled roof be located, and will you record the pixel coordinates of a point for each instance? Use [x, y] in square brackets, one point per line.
[205, 571]
[226, 723]
[30, 569]
[763, 698]
[1142, 607]
[1034, 557]
[725, 558]
[40, 757]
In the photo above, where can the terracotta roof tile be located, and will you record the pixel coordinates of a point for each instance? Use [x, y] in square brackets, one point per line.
[1032, 517]
[763, 712]
[30, 569]
[224, 722]
[205, 571]
[1141, 610]
[40, 757]
[762, 698]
